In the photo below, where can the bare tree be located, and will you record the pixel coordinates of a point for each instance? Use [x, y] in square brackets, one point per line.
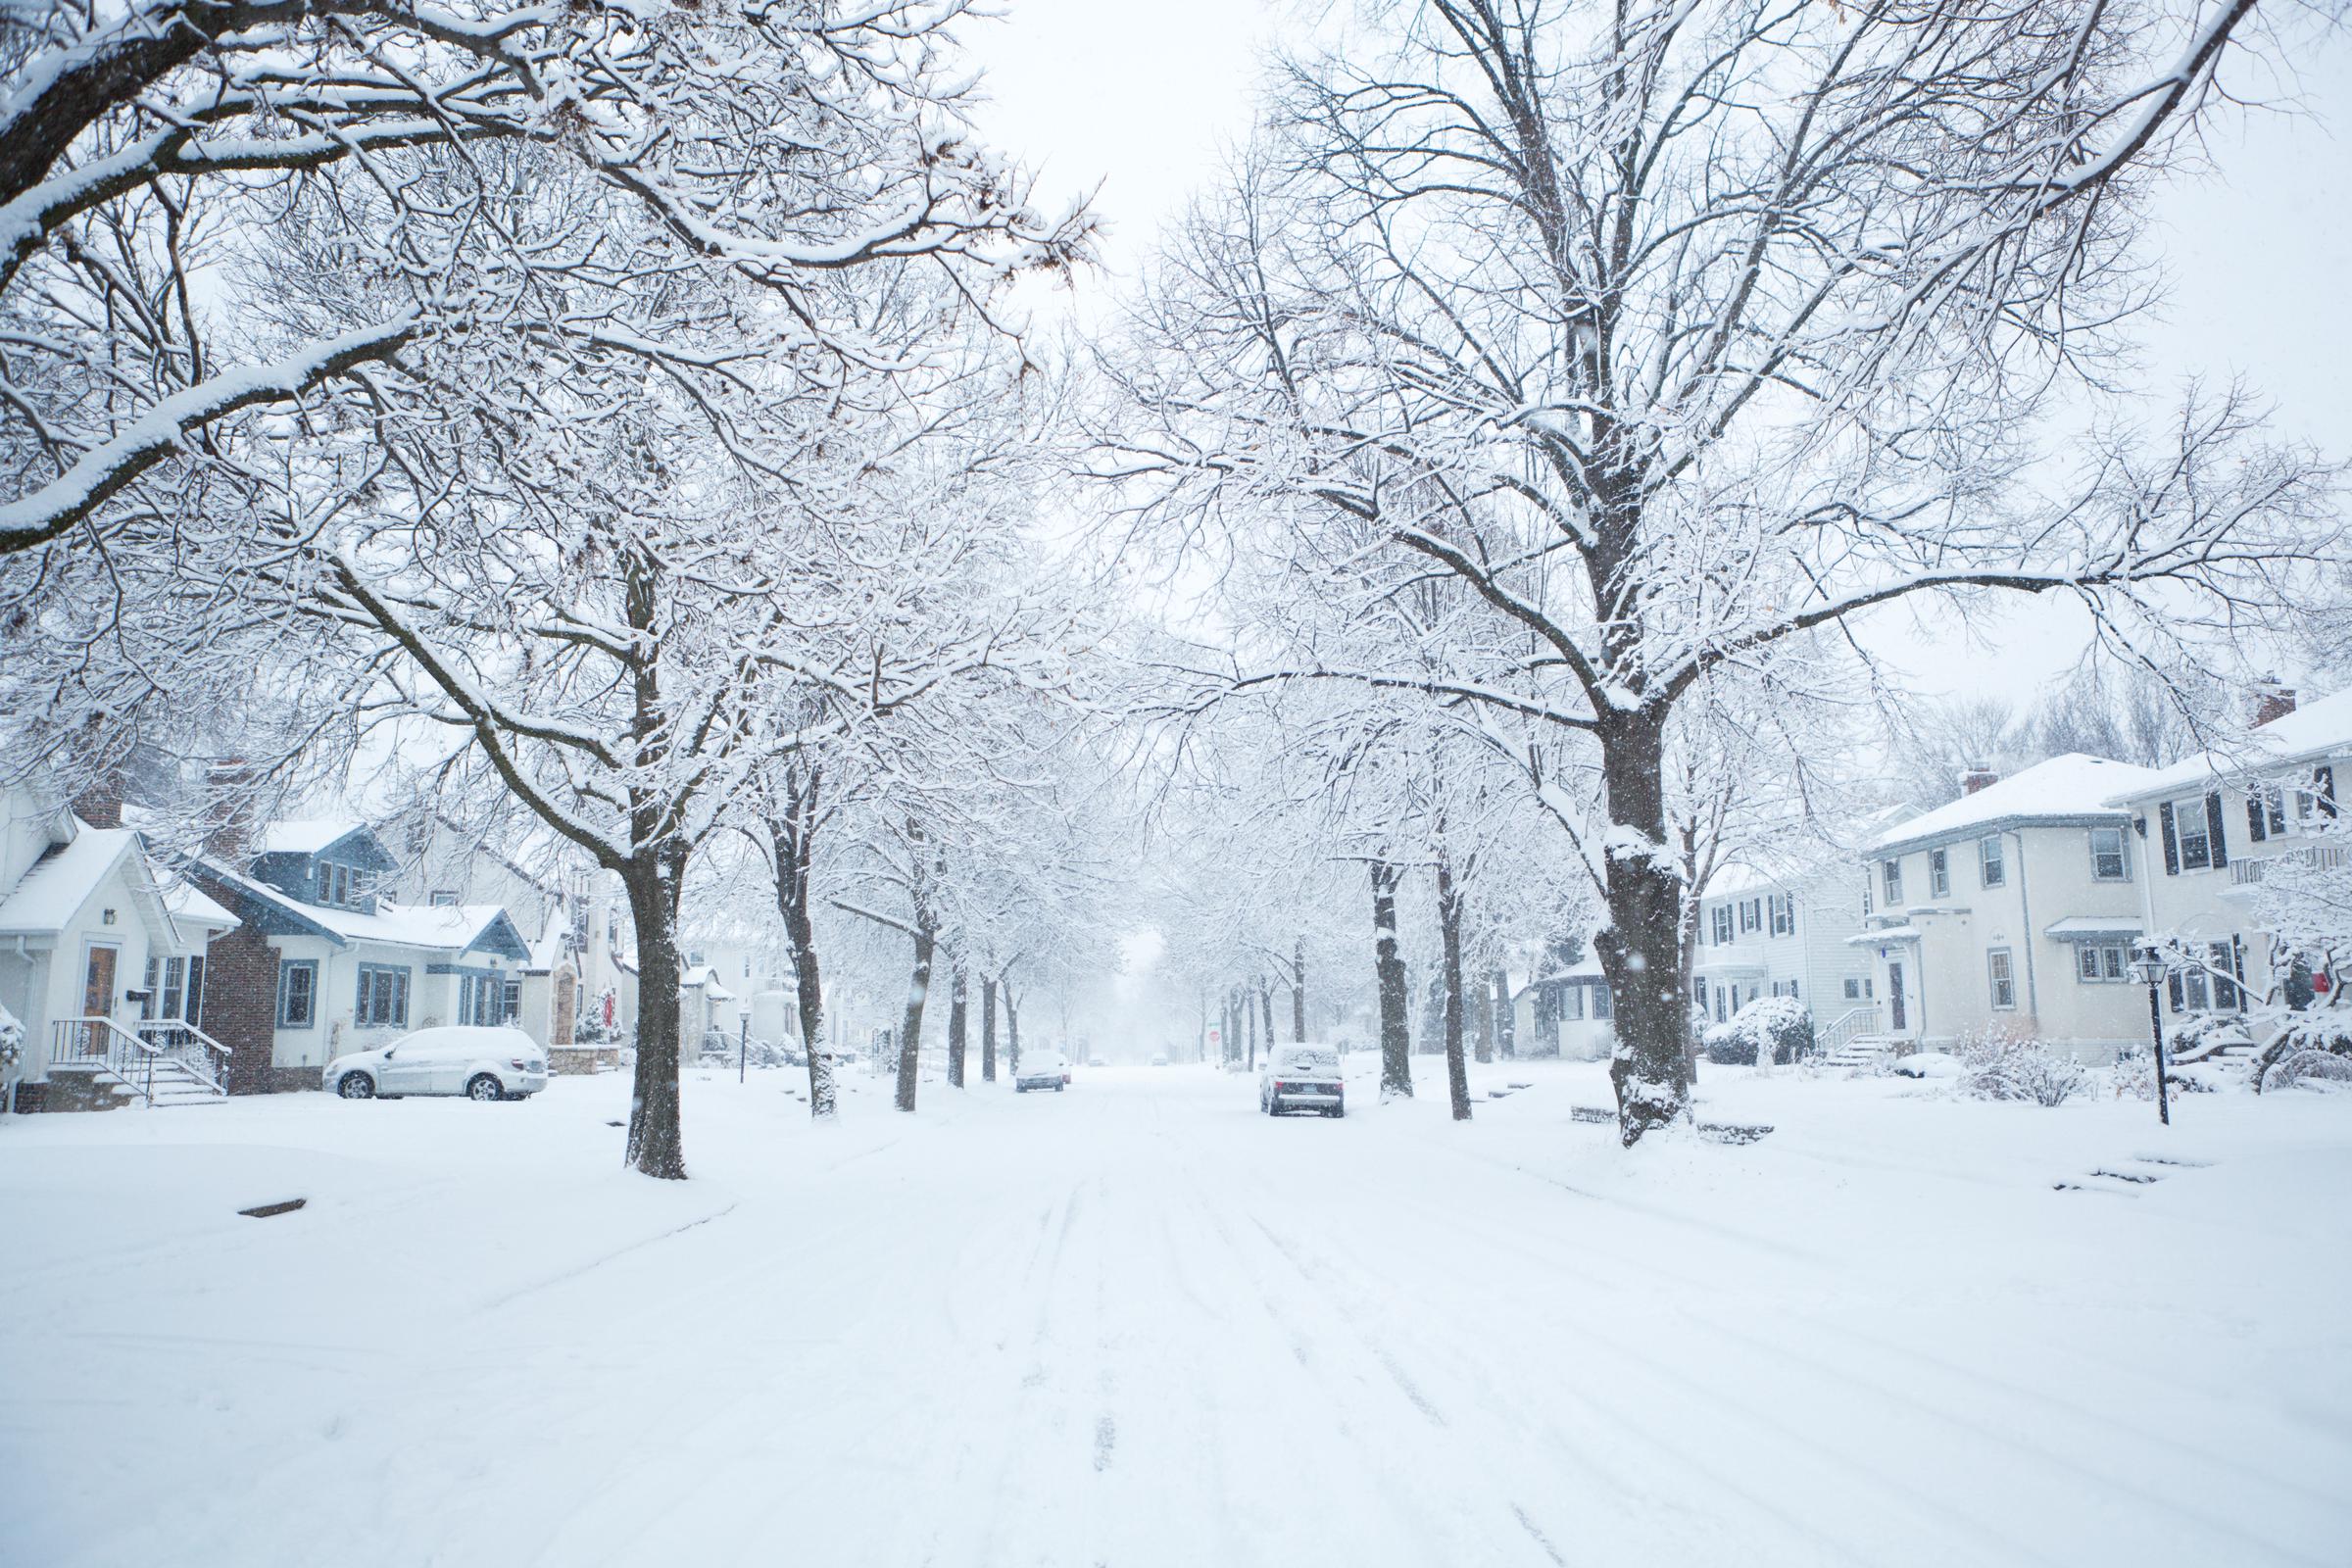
[1678, 334]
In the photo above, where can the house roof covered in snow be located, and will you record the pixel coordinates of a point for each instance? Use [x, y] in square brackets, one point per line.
[1780, 869]
[2309, 733]
[191, 908]
[452, 928]
[704, 975]
[49, 894]
[2061, 791]
[307, 835]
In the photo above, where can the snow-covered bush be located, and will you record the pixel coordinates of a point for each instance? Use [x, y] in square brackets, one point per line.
[2203, 1035]
[11, 1040]
[1925, 1064]
[1998, 1065]
[2132, 1074]
[2294, 1055]
[2311, 1069]
[1770, 1029]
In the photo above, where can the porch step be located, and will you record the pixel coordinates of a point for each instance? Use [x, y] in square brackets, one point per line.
[1863, 1050]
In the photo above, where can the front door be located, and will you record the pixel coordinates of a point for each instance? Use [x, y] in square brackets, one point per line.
[98, 984]
[1897, 1015]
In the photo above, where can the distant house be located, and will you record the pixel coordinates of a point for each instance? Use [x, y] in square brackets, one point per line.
[2214, 824]
[102, 962]
[1781, 930]
[324, 966]
[1566, 1014]
[2013, 908]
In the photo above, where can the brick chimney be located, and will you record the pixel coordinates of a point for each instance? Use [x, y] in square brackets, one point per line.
[227, 810]
[1975, 779]
[100, 804]
[2272, 701]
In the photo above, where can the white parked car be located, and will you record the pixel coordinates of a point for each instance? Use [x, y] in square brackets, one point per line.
[476, 1061]
[1302, 1077]
[1042, 1069]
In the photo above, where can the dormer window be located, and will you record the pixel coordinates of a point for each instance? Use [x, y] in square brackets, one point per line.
[338, 885]
[1890, 873]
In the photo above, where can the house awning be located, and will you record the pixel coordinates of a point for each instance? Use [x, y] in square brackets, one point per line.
[2094, 928]
[1879, 939]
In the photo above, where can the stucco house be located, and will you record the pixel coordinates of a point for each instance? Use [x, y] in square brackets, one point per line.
[102, 962]
[2013, 908]
[324, 966]
[1783, 930]
[2214, 823]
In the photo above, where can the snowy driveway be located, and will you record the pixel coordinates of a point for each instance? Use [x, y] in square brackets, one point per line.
[1140, 1323]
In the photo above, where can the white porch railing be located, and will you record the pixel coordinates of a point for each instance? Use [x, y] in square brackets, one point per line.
[2245, 873]
[1846, 1028]
[163, 1052]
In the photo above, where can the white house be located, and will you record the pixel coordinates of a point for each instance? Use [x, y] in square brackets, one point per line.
[2213, 823]
[346, 969]
[2013, 907]
[1782, 931]
[102, 960]
[1567, 1013]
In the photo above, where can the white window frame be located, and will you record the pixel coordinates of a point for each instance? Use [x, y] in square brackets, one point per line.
[2122, 856]
[1940, 875]
[1992, 862]
[1891, 878]
[2185, 814]
[2000, 974]
[2102, 964]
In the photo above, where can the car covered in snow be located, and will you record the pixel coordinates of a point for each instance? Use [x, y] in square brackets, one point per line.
[1302, 1077]
[1042, 1069]
[480, 1062]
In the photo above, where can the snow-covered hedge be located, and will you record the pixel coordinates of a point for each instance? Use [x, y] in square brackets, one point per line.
[2003, 1066]
[2299, 1055]
[1780, 1023]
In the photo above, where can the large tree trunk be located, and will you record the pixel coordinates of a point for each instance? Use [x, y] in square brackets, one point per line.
[957, 1012]
[1395, 1043]
[988, 1029]
[792, 841]
[1249, 1029]
[911, 1033]
[1265, 1004]
[1506, 1018]
[655, 1146]
[1641, 948]
[1298, 990]
[1449, 930]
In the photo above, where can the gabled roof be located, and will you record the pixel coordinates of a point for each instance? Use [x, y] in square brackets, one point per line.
[2069, 789]
[318, 835]
[704, 975]
[61, 881]
[452, 928]
[2309, 734]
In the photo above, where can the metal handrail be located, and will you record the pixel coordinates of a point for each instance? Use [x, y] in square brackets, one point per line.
[129, 1058]
[199, 1054]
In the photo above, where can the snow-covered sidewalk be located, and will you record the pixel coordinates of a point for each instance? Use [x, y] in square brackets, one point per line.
[1140, 1324]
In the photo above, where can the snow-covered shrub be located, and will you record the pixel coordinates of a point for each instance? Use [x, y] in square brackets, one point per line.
[2132, 1074]
[1770, 1029]
[1925, 1064]
[2306, 1038]
[1998, 1065]
[2203, 1035]
[2311, 1069]
[11, 1040]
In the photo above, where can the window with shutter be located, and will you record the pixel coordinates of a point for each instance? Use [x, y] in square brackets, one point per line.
[2213, 826]
[2172, 843]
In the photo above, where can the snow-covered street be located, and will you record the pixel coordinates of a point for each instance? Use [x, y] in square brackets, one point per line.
[1140, 1323]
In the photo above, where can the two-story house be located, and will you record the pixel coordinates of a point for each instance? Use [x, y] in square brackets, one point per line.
[1781, 932]
[102, 960]
[324, 965]
[2215, 822]
[2013, 908]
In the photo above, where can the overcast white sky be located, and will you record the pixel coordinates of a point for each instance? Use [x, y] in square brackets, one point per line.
[1140, 99]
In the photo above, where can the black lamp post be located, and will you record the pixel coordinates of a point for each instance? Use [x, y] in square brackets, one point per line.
[2148, 967]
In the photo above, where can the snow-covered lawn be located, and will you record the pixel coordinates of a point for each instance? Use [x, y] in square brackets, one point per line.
[1140, 1323]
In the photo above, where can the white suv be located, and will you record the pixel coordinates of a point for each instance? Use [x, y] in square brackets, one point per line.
[479, 1063]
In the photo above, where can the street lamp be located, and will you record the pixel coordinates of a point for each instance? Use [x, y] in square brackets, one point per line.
[2149, 968]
